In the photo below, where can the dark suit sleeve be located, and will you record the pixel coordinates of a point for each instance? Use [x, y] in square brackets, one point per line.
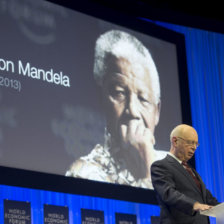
[210, 200]
[165, 187]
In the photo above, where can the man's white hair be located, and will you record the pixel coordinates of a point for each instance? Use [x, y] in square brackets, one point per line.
[120, 44]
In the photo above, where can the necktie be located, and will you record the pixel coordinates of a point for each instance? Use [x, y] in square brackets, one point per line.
[190, 171]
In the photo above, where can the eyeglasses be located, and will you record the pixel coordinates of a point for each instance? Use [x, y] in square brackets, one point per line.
[189, 142]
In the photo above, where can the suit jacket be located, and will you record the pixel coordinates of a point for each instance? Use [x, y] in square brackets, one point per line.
[177, 192]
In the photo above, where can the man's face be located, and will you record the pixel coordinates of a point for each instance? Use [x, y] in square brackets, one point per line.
[130, 103]
[186, 145]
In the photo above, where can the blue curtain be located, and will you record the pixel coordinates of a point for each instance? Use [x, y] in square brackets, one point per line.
[205, 61]
[75, 203]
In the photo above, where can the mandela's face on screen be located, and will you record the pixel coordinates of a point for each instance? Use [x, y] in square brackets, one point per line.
[130, 103]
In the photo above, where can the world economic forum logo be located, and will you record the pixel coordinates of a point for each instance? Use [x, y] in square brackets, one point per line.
[37, 20]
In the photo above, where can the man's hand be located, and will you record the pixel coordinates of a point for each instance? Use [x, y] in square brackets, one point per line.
[201, 207]
[137, 143]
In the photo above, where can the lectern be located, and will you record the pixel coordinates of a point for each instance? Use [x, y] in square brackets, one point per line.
[217, 211]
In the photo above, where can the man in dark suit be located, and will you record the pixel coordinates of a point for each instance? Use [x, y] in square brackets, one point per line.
[180, 190]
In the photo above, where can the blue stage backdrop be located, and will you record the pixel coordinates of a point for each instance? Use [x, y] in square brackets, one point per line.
[74, 203]
[205, 61]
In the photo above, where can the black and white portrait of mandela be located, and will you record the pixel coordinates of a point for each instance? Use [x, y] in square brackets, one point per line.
[130, 88]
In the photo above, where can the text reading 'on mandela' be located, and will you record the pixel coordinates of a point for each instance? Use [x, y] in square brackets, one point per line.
[25, 69]
[49, 76]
